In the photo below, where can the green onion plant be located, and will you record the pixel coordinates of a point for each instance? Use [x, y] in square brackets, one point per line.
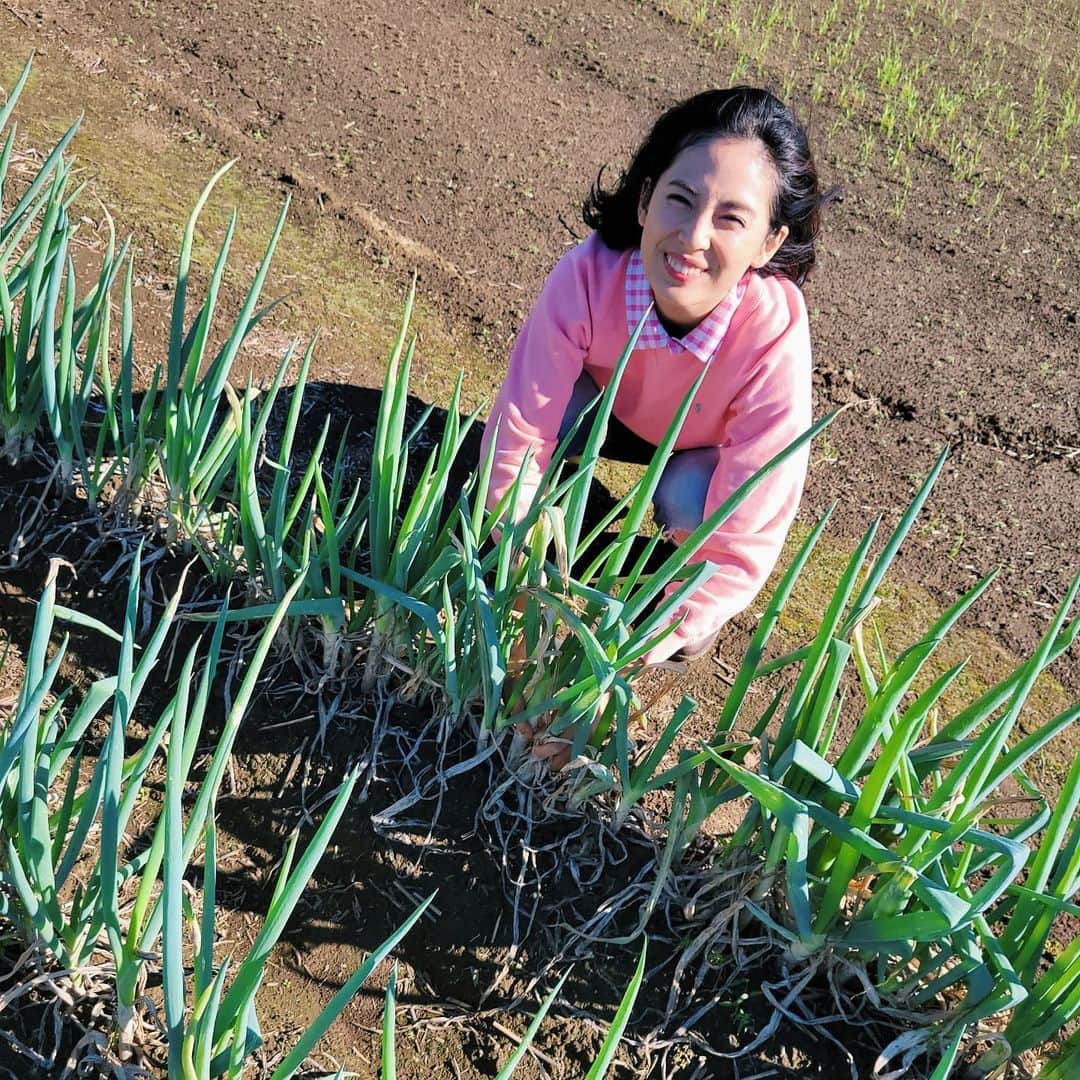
[409, 541]
[196, 447]
[903, 847]
[136, 908]
[33, 261]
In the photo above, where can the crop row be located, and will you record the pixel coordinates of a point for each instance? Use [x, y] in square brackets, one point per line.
[919, 83]
[912, 860]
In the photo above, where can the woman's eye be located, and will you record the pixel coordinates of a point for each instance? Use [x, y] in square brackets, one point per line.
[682, 200]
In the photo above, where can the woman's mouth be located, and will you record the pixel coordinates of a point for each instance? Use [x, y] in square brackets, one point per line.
[680, 269]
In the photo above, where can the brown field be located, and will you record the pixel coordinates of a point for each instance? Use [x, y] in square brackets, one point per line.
[457, 140]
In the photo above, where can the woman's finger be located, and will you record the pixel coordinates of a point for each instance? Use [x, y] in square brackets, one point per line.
[556, 752]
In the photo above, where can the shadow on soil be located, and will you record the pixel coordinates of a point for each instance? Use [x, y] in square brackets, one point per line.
[488, 940]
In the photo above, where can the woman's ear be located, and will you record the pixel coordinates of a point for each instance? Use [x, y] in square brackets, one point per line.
[773, 243]
[643, 201]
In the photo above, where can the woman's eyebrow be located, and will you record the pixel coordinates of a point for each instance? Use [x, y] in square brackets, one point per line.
[727, 204]
[738, 207]
[674, 182]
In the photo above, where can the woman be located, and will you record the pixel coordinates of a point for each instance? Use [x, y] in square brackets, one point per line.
[714, 223]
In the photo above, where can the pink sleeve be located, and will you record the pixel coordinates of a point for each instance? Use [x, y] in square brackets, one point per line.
[545, 362]
[769, 412]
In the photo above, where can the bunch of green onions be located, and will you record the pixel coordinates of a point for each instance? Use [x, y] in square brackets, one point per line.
[890, 849]
[71, 908]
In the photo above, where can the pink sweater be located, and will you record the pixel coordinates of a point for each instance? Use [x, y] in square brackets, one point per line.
[754, 401]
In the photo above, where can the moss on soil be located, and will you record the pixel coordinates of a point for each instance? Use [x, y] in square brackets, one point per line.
[148, 174]
[906, 612]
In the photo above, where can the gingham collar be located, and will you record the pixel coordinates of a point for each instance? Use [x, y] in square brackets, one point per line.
[702, 341]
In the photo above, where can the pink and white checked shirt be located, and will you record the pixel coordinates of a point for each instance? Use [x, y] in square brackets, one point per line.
[702, 341]
[754, 400]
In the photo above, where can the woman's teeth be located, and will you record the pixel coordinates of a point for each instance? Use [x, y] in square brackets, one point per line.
[683, 269]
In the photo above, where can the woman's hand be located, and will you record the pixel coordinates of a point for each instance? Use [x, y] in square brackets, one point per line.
[553, 749]
[543, 747]
[680, 646]
[664, 651]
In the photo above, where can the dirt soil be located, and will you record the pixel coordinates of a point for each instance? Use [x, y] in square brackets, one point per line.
[473, 971]
[458, 139]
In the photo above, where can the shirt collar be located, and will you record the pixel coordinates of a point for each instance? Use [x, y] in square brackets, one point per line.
[702, 341]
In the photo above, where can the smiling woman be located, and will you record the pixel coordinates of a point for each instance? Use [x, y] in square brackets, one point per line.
[705, 225]
[705, 241]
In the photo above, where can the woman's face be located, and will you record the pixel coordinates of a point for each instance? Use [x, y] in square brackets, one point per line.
[704, 223]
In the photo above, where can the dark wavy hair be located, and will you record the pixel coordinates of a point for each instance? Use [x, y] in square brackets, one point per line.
[742, 112]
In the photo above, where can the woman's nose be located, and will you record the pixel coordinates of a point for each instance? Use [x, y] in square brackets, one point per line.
[697, 231]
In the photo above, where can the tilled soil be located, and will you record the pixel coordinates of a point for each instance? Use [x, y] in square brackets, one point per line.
[466, 134]
[459, 138]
